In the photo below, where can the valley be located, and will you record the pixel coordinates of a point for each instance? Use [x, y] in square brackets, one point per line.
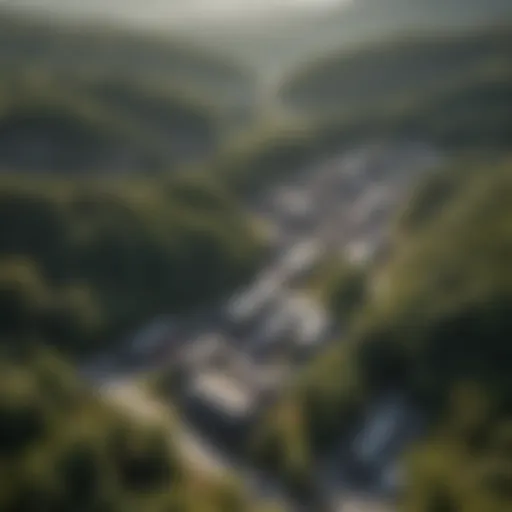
[232, 361]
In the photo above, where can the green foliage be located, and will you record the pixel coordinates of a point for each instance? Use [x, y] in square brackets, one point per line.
[91, 125]
[86, 261]
[93, 51]
[449, 290]
[397, 67]
[82, 455]
[263, 158]
[452, 89]
[438, 328]
[325, 399]
[319, 408]
[450, 472]
[22, 293]
[91, 101]
[342, 287]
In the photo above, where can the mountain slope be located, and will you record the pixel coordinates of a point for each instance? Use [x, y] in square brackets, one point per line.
[282, 43]
[454, 88]
[437, 329]
[76, 99]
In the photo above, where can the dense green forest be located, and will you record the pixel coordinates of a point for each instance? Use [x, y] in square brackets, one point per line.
[93, 100]
[251, 164]
[63, 449]
[86, 258]
[453, 89]
[405, 64]
[62, 126]
[84, 262]
[82, 114]
[91, 50]
[437, 326]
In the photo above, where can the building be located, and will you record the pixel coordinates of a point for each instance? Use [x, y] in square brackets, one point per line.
[223, 403]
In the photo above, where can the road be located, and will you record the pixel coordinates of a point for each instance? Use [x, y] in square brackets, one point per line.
[133, 398]
[341, 205]
[200, 455]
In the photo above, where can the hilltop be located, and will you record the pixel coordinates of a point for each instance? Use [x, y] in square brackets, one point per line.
[282, 43]
[450, 88]
[89, 99]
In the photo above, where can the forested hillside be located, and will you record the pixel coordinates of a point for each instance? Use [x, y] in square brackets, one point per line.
[63, 449]
[83, 263]
[130, 169]
[437, 327]
[85, 100]
[89, 49]
[453, 89]
[283, 43]
[99, 235]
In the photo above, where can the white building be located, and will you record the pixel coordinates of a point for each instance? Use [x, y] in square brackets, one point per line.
[228, 396]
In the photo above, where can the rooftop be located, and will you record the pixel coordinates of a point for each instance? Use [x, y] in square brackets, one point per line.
[224, 392]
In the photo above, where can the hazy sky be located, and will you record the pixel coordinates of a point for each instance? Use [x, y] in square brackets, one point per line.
[174, 11]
